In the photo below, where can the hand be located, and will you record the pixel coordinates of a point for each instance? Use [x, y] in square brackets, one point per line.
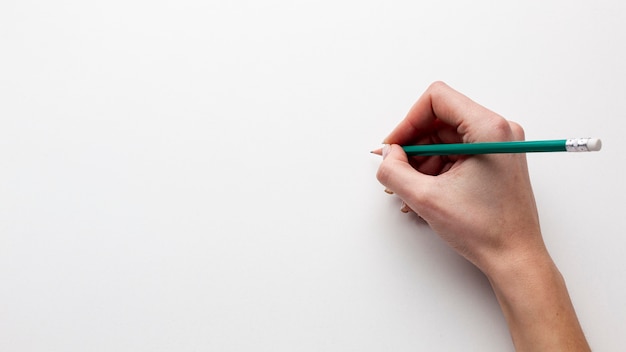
[483, 207]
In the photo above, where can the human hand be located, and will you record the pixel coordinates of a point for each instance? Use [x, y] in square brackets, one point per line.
[482, 205]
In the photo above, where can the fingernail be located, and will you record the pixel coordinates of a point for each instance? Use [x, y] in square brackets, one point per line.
[388, 191]
[386, 150]
[404, 208]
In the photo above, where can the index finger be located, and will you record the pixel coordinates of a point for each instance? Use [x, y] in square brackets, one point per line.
[461, 117]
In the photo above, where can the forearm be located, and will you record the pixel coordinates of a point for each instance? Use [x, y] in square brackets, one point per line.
[535, 302]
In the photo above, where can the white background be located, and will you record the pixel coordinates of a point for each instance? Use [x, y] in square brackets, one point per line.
[194, 175]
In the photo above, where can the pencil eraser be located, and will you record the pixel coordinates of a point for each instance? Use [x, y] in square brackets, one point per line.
[594, 144]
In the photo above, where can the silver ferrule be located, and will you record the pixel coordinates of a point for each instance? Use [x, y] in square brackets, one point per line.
[577, 145]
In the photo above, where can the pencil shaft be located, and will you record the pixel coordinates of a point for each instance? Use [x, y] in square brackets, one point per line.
[487, 148]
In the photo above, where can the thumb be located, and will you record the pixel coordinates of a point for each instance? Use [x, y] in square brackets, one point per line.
[399, 176]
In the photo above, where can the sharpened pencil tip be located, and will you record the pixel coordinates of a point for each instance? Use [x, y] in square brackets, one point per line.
[378, 151]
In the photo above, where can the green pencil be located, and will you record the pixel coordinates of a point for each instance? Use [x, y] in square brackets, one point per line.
[558, 145]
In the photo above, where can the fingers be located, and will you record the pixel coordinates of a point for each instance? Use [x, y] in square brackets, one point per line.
[440, 104]
[399, 177]
[395, 170]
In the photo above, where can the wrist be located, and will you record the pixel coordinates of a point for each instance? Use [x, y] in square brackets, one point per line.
[513, 254]
[523, 279]
[534, 300]
[520, 264]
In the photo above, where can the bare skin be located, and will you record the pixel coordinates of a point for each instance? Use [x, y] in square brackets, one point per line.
[483, 206]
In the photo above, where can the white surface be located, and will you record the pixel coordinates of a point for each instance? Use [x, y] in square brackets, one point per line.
[195, 175]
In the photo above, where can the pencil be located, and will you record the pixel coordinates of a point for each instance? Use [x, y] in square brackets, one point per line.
[557, 145]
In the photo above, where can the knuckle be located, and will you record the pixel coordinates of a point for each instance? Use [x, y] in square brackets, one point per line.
[517, 130]
[384, 173]
[437, 86]
[501, 129]
[501, 125]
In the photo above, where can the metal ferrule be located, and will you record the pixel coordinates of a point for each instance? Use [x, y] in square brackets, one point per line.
[577, 145]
